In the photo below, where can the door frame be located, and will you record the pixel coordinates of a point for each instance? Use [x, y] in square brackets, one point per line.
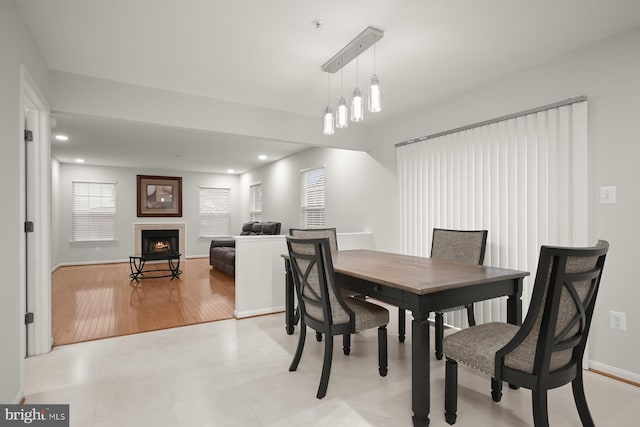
[35, 109]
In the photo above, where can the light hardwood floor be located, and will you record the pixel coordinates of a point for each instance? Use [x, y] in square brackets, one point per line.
[98, 301]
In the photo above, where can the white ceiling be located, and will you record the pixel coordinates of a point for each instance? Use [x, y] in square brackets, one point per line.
[268, 53]
[113, 142]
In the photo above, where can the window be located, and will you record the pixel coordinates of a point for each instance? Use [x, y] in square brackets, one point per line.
[215, 211]
[93, 211]
[255, 202]
[312, 197]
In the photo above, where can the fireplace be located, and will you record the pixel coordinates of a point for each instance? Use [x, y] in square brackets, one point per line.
[160, 243]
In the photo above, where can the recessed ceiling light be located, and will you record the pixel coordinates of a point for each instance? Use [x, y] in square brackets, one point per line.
[79, 160]
[262, 157]
[61, 137]
[230, 170]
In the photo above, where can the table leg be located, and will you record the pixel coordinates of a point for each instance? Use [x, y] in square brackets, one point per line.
[420, 374]
[135, 265]
[174, 268]
[514, 310]
[288, 303]
[514, 304]
[401, 324]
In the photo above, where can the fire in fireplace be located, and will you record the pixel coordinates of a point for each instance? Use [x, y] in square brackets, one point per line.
[160, 242]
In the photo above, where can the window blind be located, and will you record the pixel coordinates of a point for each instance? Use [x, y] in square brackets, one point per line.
[255, 202]
[215, 211]
[523, 178]
[93, 211]
[312, 197]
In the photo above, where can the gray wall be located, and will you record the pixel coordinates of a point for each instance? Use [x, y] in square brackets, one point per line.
[357, 192]
[17, 47]
[608, 74]
[67, 252]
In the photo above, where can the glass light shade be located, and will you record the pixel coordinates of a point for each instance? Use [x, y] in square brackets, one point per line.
[328, 121]
[357, 108]
[342, 116]
[375, 95]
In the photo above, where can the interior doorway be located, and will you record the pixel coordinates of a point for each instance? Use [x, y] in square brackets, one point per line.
[35, 208]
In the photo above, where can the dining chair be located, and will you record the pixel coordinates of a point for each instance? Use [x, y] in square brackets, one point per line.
[452, 245]
[316, 233]
[325, 310]
[547, 350]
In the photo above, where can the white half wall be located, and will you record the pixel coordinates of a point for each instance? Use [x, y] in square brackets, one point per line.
[260, 275]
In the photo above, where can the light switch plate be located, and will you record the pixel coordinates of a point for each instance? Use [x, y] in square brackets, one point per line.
[608, 195]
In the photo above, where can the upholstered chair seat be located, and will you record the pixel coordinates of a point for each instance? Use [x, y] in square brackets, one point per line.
[546, 351]
[476, 347]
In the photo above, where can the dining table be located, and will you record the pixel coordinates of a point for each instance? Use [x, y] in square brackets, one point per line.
[422, 286]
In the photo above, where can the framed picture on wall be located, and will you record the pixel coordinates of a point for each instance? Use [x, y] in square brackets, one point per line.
[159, 195]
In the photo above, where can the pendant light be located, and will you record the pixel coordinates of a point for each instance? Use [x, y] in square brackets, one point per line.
[357, 110]
[342, 115]
[375, 95]
[328, 112]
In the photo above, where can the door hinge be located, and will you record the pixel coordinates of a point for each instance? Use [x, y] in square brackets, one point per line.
[28, 226]
[28, 135]
[28, 318]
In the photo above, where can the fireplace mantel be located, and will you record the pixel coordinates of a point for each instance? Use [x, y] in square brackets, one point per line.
[139, 226]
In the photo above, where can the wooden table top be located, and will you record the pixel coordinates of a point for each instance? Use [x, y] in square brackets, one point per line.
[417, 275]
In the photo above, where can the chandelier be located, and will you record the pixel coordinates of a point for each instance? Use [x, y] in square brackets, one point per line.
[351, 51]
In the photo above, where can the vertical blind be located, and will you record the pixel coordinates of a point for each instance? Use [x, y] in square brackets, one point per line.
[93, 211]
[255, 202]
[312, 197]
[524, 179]
[215, 211]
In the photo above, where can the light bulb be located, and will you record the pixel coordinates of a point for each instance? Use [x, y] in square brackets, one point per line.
[328, 121]
[375, 95]
[357, 110]
[342, 116]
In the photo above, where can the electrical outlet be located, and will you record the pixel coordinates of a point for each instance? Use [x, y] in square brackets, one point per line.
[617, 320]
[97, 249]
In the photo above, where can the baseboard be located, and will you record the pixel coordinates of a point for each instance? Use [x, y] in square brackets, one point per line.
[113, 261]
[261, 312]
[617, 373]
[71, 264]
[19, 399]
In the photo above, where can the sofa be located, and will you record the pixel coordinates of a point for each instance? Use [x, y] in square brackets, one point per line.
[222, 252]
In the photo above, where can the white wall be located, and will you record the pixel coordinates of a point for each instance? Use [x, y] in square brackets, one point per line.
[17, 47]
[66, 252]
[609, 74]
[357, 188]
[55, 212]
[104, 98]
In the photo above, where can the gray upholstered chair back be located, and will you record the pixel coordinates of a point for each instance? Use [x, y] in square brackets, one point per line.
[459, 245]
[561, 308]
[317, 233]
[314, 280]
